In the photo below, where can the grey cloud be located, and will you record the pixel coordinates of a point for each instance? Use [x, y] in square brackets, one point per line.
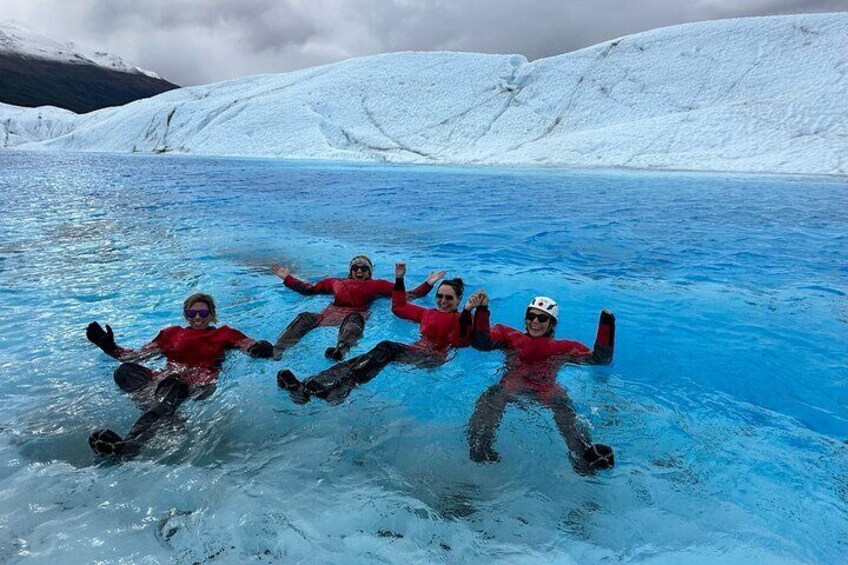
[262, 24]
[196, 41]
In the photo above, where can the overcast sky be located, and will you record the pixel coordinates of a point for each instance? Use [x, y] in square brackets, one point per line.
[201, 41]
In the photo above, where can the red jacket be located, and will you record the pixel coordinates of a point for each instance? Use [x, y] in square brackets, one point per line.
[439, 330]
[534, 358]
[194, 356]
[352, 293]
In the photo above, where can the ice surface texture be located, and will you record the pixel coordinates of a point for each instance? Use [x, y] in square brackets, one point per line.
[758, 94]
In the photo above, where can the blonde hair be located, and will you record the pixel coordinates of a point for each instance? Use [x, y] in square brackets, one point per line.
[201, 297]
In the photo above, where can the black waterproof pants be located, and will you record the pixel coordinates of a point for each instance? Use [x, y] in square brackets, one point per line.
[490, 409]
[335, 383]
[158, 400]
[350, 332]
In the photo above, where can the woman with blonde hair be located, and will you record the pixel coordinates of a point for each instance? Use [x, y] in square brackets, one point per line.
[194, 354]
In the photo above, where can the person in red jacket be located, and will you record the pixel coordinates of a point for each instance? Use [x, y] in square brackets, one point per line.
[351, 298]
[194, 355]
[442, 329]
[533, 358]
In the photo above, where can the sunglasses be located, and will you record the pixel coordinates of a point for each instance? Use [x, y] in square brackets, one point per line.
[360, 269]
[530, 316]
[192, 313]
[440, 296]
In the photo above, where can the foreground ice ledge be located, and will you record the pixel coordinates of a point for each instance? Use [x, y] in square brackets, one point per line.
[757, 94]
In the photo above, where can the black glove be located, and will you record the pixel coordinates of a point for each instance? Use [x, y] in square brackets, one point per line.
[261, 350]
[104, 339]
[599, 456]
[604, 348]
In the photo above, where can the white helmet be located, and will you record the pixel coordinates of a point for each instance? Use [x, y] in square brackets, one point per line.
[547, 305]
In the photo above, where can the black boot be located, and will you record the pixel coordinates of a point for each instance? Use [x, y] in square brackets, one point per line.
[336, 353]
[287, 381]
[599, 456]
[350, 332]
[110, 444]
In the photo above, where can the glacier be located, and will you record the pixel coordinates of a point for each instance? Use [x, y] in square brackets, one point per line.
[766, 94]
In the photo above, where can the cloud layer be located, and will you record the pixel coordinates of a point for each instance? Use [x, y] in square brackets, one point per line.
[201, 41]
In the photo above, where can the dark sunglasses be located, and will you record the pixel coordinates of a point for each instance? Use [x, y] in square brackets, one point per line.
[530, 316]
[192, 313]
[440, 296]
[360, 268]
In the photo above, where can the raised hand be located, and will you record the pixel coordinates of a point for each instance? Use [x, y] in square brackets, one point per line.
[281, 272]
[475, 300]
[484, 298]
[104, 339]
[400, 270]
[435, 276]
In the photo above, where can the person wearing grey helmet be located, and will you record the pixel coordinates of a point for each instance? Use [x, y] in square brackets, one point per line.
[352, 297]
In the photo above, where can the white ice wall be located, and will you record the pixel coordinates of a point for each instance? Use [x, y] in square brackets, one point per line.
[757, 94]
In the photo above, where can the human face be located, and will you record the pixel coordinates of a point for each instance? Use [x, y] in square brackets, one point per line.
[197, 321]
[446, 299]
[533, 322]
[360, 271]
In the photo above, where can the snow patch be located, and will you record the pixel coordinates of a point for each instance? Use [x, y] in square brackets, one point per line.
[18, 39]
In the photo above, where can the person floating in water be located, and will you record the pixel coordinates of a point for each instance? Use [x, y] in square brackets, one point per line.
[533, 358]
[351, 298]
[442, 329]
[194, 355]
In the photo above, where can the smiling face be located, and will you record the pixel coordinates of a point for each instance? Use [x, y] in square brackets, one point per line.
[199, 315]
[360, 271]
[537, 323]
[447, 300]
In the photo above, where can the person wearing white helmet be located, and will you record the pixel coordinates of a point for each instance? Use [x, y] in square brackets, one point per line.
[352, 297]
[533, 358]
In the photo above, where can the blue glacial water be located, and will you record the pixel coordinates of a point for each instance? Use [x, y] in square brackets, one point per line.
[727, 402]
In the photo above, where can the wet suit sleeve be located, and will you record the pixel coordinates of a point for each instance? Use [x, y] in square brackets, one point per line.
[466, 326]
[573, 350]
[604, 348]
[260, 349]
[401, 308]
[386, 288]
[148, 351]
[485, 338]
[601, 354]
[234, 338]
[126, 354]
[324, 286]
[421, 290]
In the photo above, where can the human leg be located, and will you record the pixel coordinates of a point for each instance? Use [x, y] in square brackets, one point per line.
[170, 393]
[303, 323]
[132, 377]
[335, 383]
[484, 423]
[350, 332]
[586, 457]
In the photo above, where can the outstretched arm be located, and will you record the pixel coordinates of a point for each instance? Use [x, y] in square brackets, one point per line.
[604, 348]
[260, 349]
[425, 287]
[105, 340]
[324, 286]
